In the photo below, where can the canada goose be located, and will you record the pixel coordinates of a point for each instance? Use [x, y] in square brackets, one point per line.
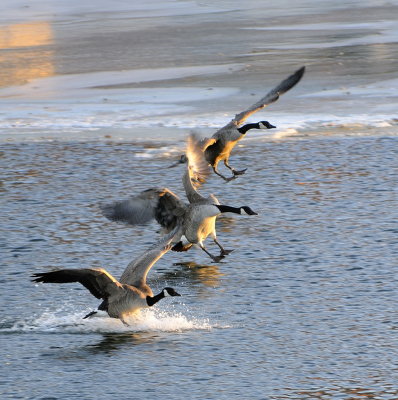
[123, 297]
[196, 219]
[220, 145]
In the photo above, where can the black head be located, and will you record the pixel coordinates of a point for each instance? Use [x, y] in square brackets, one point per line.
[247, 210]
[265, 125]
[183, 159]
[168, 291]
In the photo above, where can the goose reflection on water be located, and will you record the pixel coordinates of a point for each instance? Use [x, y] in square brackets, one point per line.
[206, 275]
[111, 342]
[107, 344]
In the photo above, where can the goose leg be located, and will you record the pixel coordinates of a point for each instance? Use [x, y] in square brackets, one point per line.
[223, 251]
[222, 176]
[214, 258]
[90, 314]
[234, 171]
[124, 322]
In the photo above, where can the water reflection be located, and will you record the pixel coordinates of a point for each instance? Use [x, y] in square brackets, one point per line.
[207, 275]
[112, 342]
[108, 344]
[27, 56]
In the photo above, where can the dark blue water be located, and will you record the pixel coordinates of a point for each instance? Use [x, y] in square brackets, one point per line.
[305, 306]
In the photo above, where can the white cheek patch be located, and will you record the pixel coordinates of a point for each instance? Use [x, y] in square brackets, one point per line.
[166, 293]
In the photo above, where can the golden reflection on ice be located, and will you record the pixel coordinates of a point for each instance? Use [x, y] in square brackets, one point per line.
[26, 35]
[24, 54]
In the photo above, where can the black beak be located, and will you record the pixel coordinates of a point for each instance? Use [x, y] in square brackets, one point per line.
[174, 165]
[183, 159]
[251, 212]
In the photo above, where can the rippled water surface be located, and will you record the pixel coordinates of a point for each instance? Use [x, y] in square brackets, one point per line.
[305, 307]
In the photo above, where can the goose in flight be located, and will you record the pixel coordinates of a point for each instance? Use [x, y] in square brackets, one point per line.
[219, 146]
[196, 220]
[119, 298]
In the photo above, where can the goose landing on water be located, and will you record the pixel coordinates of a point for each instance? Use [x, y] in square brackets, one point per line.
[219, 146]
[200, 222]
[196, 220]
[123, 297]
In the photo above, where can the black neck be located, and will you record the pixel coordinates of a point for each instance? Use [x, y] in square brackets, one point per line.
[243, 129]
[153, 300]
[224, 209]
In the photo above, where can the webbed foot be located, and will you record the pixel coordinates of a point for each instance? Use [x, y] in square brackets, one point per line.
[241, 172]
[225, 252]
[229, 179]
[217, 258]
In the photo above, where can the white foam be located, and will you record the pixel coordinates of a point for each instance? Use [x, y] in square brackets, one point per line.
[165, 151]
[146, 127]
[285, 133]
[283, 121]
[149, 320]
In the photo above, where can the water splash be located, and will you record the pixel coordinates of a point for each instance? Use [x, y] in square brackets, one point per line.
[163, 151]
[153, 320]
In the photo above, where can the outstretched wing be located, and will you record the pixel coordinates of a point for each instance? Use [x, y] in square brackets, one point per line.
[197, 169]
[160, 204]
[136, 272]
[269, 98]
[99, 282]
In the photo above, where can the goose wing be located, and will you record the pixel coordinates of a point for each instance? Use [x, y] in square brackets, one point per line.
[160, 204]
[197, 166]
[270, 97]
[136, 272]
[99, 282]
[207, 142]
[197, 169]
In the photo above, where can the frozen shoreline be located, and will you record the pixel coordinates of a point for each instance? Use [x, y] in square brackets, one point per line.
[193, 66]
[70, 107]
